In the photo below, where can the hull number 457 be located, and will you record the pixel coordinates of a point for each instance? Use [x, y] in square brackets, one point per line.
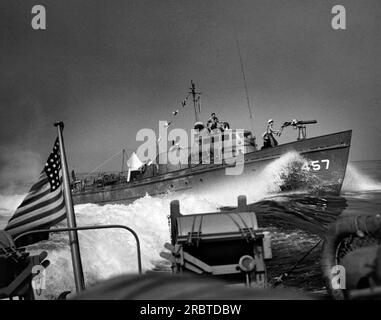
[316, 165]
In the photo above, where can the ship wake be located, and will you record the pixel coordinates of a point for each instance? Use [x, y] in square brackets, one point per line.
[107, 253]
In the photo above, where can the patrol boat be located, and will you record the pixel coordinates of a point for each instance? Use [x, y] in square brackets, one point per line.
[322, 169]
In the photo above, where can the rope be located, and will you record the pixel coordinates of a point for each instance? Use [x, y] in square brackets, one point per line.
[176, 112]
[103, 163]
[280, 279]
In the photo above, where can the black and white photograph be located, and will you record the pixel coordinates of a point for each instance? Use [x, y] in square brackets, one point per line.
[187, 150]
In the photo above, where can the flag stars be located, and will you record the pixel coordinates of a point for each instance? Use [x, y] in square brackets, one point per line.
[52, 168]
[42, 212]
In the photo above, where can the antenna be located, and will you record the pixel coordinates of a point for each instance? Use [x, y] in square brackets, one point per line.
[194, 93]
[124, 151]
[246, 91]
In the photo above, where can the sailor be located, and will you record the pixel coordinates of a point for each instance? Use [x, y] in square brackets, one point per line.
[73, 176]
[266, 141]
[268, 137]
[212, 122]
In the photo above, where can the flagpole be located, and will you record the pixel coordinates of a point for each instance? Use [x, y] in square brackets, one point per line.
[71, 223]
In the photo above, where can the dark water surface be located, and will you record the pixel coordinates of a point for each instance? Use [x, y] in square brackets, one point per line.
[300, 220]
[297, 222]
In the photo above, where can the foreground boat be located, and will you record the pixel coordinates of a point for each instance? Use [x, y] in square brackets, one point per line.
[228, 246]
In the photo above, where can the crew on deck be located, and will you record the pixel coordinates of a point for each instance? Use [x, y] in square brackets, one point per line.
[268, 137]
[213, 125]
[212, 122]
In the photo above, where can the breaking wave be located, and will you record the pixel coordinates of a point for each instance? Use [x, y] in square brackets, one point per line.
[266, 182]
[355, 181]
[107, 253]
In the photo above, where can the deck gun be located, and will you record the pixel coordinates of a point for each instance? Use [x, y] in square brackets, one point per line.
[298, 124]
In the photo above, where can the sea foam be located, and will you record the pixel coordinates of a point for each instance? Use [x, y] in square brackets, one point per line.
[108, 253]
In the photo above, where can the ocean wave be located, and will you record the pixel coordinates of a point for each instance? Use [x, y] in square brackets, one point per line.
[108, 253]
[256, 185]
[356, 181]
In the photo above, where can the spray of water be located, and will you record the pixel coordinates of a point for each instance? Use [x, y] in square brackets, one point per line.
[256, 186]
[108, 253]
[357, 181]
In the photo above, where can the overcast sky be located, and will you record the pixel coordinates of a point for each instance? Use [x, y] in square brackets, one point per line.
[110, 68]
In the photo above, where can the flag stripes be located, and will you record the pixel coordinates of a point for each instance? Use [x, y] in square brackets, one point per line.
[44, 204]
[45, 223]
[38, 210]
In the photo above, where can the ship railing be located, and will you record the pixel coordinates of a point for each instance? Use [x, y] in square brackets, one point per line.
[91, 227]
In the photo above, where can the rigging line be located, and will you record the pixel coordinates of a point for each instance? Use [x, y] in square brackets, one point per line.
[103, 163]
[245, 84]
[183, 104]
[287, 273]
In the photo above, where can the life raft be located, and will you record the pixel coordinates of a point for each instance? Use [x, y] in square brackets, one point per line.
[352, 242]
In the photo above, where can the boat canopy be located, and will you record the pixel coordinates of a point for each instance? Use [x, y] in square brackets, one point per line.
[134, 162]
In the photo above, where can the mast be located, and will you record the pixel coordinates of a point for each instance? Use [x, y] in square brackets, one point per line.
[124, 151]
[194, 94]
[71, 221]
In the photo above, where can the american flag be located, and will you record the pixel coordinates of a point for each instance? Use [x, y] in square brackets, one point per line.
[44, 204]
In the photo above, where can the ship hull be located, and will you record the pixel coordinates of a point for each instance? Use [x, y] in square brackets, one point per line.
[324, 169]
